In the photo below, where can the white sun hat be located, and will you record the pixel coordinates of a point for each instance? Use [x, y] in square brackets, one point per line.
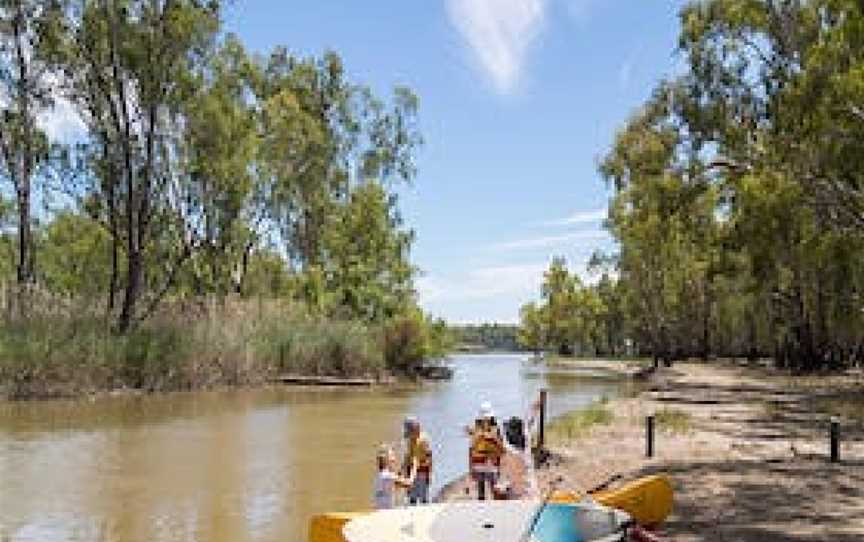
[486, 410]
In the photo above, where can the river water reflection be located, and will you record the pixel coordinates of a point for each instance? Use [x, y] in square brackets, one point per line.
[241, 465]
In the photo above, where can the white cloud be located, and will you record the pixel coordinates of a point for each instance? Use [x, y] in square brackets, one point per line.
[500, 33]
[508, 281]
[492, 293]
[581, 217]
[553, 240]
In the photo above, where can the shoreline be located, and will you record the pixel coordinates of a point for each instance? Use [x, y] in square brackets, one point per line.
[746, 449]
[309, 382]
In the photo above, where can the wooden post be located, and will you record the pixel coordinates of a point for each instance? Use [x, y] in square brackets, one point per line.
[541, 432]
[835, 440]
[649, 436]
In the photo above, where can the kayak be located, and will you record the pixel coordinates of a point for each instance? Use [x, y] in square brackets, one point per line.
[647, 501]
[482, 521]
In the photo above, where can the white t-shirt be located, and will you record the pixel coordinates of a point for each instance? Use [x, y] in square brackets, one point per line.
[385, 489]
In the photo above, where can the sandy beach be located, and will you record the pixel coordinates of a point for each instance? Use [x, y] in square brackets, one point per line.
[747, 450]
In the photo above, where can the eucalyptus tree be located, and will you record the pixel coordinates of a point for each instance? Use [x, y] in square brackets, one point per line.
[27, 32]
[532, 331]
[224, 194]
[776, 88]
[322, 135]
[131, 69]
[366, 256]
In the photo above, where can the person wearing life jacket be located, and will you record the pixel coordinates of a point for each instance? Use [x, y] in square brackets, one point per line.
[487, 447]
[418, 460]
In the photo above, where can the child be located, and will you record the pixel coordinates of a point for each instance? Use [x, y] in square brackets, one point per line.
[388, 479]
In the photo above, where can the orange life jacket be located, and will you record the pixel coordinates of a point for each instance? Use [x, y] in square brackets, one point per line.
[486, 447]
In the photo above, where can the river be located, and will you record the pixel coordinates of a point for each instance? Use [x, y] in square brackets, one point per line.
[238, 465]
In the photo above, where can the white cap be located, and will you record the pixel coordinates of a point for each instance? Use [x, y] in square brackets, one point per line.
[486, 410]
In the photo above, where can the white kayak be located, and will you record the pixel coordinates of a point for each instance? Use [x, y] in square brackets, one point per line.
[490, 521]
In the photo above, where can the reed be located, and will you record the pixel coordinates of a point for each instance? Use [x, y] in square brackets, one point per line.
[68, 347]
[578, 423]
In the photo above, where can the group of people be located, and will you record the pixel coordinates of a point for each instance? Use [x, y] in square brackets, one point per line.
[499, 462]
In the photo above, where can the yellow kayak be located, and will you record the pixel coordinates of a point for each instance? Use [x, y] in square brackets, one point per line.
[648, 500]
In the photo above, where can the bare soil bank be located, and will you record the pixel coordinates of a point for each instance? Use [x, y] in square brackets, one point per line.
[747, 450]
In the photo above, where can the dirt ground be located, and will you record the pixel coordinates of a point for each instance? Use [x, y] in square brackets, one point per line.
[750, 463]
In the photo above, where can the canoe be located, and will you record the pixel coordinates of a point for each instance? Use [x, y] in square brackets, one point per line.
[487, 521]
[647, 500]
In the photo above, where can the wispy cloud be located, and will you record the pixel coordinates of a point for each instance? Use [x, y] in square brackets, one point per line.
[483, 283]
[553, 240]
[500, 33]
[491, 293]
[580, 217]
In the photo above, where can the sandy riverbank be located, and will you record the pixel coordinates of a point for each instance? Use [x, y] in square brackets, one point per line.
[746, 449]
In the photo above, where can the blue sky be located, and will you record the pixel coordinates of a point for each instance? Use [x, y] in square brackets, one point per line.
[518, 100]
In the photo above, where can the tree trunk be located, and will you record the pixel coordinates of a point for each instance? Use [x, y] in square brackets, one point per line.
[25, 160]
[115, 271]
[133, 283]
[25, 239]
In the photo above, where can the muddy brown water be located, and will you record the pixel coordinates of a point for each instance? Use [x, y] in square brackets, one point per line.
[240, 465]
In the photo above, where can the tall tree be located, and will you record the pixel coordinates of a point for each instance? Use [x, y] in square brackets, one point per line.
[132, 68]
[322, 134]
[26, 86]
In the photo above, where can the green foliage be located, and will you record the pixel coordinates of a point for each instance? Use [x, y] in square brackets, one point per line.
[738, 198]
[74, 256]
[412, 338]
[203, 173]
[365, 259]
[573, 317]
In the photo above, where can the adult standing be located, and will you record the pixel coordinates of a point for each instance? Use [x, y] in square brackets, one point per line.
[418, 459]
[487, 447]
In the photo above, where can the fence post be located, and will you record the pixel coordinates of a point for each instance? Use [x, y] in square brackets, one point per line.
[541, 432]
[649, 436]
[835, 440]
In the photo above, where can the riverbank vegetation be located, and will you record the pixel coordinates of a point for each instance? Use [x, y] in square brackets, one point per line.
[176, 211]
[577, 423]
[738, 200]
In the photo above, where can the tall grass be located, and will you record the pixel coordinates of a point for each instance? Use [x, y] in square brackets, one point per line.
[578, 423]
[70, 348]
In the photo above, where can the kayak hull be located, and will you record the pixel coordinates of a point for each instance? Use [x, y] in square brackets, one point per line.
[489, 521]
[648, 501]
